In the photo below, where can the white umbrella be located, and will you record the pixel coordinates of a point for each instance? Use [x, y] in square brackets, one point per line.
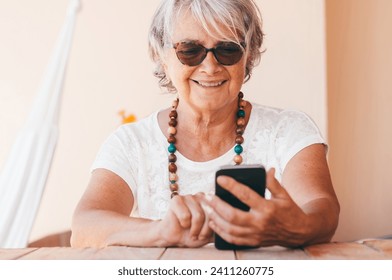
[24, 175]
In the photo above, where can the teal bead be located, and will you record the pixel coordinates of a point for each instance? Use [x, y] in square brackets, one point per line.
[238, 149]
[241, 113]
[172, 148]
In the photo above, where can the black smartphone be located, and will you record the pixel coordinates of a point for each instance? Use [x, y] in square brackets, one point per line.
[251, 175]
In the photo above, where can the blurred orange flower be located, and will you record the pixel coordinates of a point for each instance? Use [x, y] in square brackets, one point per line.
[126, 118]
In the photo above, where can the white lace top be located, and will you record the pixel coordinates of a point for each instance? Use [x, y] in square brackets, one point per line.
[137, 152]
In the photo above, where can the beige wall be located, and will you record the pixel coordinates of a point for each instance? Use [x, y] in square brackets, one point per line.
[359, 35]
[109, 70]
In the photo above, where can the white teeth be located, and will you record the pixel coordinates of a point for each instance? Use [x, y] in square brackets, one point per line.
[210, 84]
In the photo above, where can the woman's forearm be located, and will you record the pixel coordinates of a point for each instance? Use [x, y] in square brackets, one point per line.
[323, 217]
[101, 228]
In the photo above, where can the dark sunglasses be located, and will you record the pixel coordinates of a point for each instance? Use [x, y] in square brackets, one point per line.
[192, 53]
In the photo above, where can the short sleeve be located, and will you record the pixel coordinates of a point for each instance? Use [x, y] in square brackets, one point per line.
[294, 132]
[115, 155]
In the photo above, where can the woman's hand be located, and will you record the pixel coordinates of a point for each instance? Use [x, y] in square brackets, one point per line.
[102, 218]
[278, 221]
[186, 223]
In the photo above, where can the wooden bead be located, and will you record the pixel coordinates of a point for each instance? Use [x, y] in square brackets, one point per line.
[173, 123]
[173, 194]
[171, 139]
[240, 130]
[243, 103]
[239, 139]
[238, 159]
[240, 95]
[173, 114]
[241, 122]
[172, 158]
[173, 177]
[171, 130]
[172, 167]
[174, 187]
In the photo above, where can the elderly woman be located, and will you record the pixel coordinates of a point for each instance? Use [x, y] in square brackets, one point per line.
[151, 179]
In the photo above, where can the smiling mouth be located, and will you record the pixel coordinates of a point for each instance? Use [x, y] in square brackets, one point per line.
[210, 84]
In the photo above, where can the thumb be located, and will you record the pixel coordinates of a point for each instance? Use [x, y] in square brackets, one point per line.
[273, 185]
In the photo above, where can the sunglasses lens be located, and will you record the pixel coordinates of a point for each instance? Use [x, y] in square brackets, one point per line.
[190, 53]
[228, 53]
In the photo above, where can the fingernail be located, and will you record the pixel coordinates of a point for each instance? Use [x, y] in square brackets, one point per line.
[272, 171]
[222, 180]
[206, 208]
[209, 196]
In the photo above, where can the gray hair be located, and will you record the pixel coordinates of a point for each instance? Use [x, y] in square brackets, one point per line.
[242, 17]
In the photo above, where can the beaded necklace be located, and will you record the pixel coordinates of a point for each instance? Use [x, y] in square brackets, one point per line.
[172, 131]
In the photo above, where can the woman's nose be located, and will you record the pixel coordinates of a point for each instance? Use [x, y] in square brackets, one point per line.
[210, 65]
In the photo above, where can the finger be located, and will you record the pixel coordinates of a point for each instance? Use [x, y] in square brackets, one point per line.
[241, 191]
[206, 231]
[237, 240]
[197, 215]
[241, 229]
[181, 211]
[273, 185]
[225, 211]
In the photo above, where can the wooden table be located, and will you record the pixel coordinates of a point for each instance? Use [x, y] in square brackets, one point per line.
[366, 250]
